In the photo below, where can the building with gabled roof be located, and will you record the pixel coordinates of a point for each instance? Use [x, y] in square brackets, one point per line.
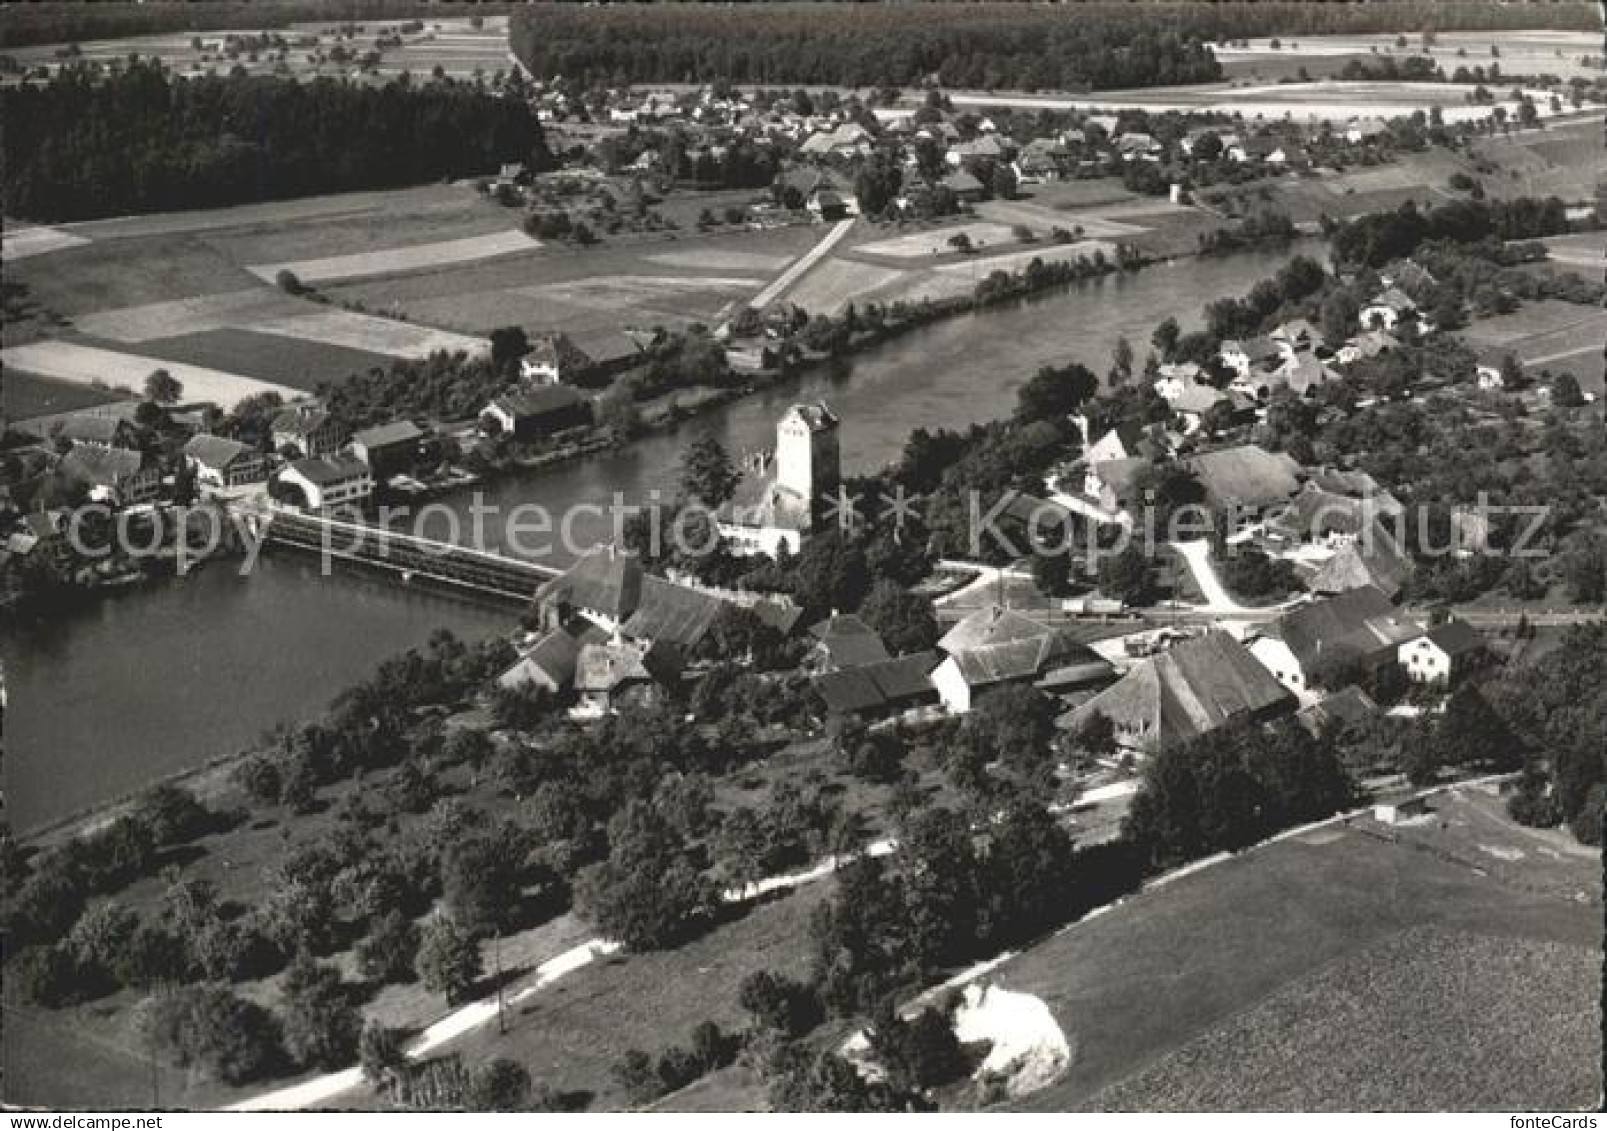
[996, 646]
[221, 462]
[533, 412]
[1246, 480]
[1313, 644]
[548, 665]
[331, 481]
[117, 476]
[879, 689]
[553, 358]
[1197, 686]
[1442, 654]
[846, 641]
[306, 430]
[1371, 559]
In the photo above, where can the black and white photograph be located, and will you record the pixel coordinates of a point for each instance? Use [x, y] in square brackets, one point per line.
[908, 556]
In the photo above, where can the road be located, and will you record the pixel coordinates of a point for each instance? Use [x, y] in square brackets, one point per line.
[784, 281]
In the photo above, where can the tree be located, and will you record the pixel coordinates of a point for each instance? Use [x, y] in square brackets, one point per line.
[321, 1024]
[1051, 572]
[779, 1004]
[448, 958]
[916, 1054]
[1125, 575]
[1565, 392]
[389, 951]
[210, 1028]
[650, 893]
[905, 621]
[707, 473]
[1053, 394]
[1003, 183]
[1340, 313]
[287, 280]
[381, 1052]
[480, 882]
[500, 1085]
[508, 345]
[1121, 365]
[1166, 335]
[163, 388]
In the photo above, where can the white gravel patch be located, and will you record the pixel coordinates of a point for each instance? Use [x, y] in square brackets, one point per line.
[1029, 1050]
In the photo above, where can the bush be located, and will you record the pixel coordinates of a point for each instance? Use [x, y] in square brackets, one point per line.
[501, 1085]
[287, 281]
[779, 1004]
[637, 1076]
[214, 1030]
[389, 951]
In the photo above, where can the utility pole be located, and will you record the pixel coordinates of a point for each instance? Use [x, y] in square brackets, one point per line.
[496, 965]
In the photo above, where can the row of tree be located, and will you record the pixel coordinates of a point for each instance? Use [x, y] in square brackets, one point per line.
[90, 143]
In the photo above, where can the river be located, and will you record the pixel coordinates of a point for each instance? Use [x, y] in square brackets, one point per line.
[151, 681]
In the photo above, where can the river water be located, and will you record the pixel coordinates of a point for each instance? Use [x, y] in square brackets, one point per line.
[151, 681]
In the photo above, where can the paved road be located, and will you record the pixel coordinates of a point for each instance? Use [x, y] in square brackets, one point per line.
[783, 282]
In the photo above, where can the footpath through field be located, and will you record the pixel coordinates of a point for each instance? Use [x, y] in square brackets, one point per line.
[808, 259]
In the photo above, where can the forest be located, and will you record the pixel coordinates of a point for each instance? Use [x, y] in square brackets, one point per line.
[89, 144]
[1092, 45]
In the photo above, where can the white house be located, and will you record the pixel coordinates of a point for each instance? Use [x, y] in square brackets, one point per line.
[331, 481]
[221, 462]
[1388, 310]
[1441, 654]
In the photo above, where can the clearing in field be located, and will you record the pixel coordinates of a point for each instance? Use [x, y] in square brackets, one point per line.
[419, 257]
[85, 365]
[21, 243]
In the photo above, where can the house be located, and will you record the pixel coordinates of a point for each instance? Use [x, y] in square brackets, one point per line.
[880, 689]
[995, 646]
[553, 358]
[1442, 654]
[607, 587]
[1344, 710]
[389, 449]
[826, 204]
[607, 350]
[967, 153]
[1135, 145]
[1373, 559]
[97, 430]
[1248, 356]
[1172, 378]
[613, 673]
[1294, 336]
[1321, 515]
[1358, 130]
[1368, 343]
[1245, 481]
[1193, 402]
[1304, 373]
[1198, 685]
[1388, 310]
[117, 476]
[966, 188]
[1313, 645]
[1401, 810]
[549, 665]
[1036, 165]
[846, 641]
[531, 413]
[221, 462]
[1127, 440]
[306, 430]
[1113, 483]
[328, 481]
[782, 496]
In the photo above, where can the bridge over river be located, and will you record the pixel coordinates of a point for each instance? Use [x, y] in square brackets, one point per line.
[408, 555]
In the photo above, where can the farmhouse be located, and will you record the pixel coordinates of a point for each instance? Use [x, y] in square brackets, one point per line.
[96, 430]
[1442, 654]
[1388, 310]
[220, 462]
[1316, 644]
[607, 587]
[994, 646]
[330, 481]
[1319, 515]
[965, 187]
[1199, 685]
[306, 430]
[1372, 559]
[1113, 483]
[531, 413]
[881, 689]
[846, 641]
[1246, 481]
[389, 449]
[549, 665]
[113, 475]
[553, 358]
[617, 672]
[1247, 356]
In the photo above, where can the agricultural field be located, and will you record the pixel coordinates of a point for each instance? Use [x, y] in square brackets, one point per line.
[403, 273]
[1551, 335]
[312, 50]
[1460, 952]
[1522, 52]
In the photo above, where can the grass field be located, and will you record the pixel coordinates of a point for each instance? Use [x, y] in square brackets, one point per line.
[1268, 951]
[396, 260]
[935, 241]
[1550, 335]
[282, 360]
[86, 365]
[23, 396]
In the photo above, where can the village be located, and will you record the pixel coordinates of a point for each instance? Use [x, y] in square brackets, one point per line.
[979, 592]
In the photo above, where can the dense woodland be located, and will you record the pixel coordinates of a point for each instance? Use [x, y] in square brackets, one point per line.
[87, 144]
[1019, 46]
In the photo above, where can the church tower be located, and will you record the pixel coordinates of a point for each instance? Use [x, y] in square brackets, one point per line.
[808, 463]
